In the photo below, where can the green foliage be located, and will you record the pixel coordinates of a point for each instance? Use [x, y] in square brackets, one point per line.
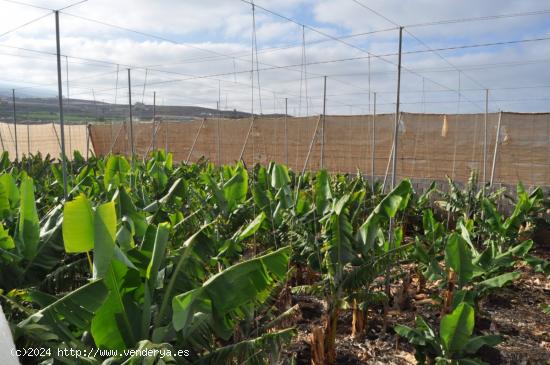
[28, 232]
[78, 225]
[226, 296]
[459, 257]
[454, 344]
[116, 171]
[168, 256]
[85, 229]
[396, 200]
[70, 314]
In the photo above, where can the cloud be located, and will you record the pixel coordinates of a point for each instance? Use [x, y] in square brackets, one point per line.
[203, 45]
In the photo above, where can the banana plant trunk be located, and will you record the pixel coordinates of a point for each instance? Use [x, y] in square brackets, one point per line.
[421, 280]
[449, 293]
[317, 339]
[358, 322]
[331, 323]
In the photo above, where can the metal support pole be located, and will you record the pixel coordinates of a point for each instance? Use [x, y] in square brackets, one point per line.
[131, 121]
[251, 126]
[156, 127]
[246, 140]
[28, 139]
[2, 141]
[88, 126]
[67, 77]
[115, 105]
[324, 119]
[396, 126]
[15, 124]
[195, 140]
[369, 80]
[394, 160]
[423, 95]
[114, 140]
[373, 144]
[286, 131]
[218, 139]
[218, 126]
[68, 99]
[311, 145]
[485, 137]
[497, 138]
[60, 98]
[390, 157]
[154, 119]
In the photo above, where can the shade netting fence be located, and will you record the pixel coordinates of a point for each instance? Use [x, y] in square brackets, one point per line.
[430, 146]
[44, 138]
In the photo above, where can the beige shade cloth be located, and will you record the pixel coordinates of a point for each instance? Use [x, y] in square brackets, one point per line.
[43, 138]
[430, 146]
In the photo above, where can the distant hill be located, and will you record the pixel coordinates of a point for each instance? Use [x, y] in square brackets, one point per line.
[82, 111]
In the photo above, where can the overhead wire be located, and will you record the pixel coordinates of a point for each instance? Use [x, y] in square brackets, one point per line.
[418, 40]
[197, 47]
[43, 7]
[25, 24]
[346, 59]
[480, 18]
[255, 52]
[27, 4]
[342, 60]
[43, 85]
[263, 69]
[490, 17]
[238, 55]
[348, 44]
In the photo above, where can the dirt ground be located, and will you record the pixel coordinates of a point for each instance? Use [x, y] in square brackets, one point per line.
[513, 312]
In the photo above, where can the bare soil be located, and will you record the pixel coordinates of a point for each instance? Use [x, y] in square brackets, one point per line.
[513, 312]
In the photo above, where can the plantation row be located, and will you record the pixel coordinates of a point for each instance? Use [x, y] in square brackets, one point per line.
[209, 261]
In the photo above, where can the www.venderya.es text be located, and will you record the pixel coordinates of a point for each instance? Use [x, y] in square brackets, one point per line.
[76, 353]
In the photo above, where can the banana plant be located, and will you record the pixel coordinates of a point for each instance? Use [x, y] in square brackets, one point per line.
[465, 203]
[138, 283]
[429, 243]
[146, 264]
[471, 274]
[62, 323]
[453, 345]
[217, 306]
[27, 253]
[158, 169]
[350, 260]
[505, 231]
[231, 191]
[272, 193]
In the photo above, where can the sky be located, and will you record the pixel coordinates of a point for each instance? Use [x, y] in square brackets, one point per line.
[200, 52]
